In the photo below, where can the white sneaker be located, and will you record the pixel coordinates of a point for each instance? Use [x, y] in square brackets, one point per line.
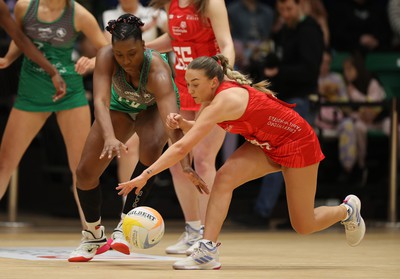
[191, 249]
[204, 257]
[354, 224]
[119, 242]
[189, 237]
[88, 247]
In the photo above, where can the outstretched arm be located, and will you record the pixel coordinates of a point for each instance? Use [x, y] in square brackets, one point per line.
[102, 95]
[170, 157]
[27, 47]
[224, 106]
[161, 84]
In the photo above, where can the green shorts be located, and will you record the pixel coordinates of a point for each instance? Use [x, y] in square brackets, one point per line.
[36, 91]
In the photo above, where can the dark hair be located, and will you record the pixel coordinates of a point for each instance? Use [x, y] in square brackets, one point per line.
[364, 77]
[125, 27]
[218, 66]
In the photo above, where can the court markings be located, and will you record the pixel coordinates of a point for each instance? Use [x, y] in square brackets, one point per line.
[62, 253]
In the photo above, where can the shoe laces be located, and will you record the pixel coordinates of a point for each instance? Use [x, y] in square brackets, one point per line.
[87, 236]
[199, 250]
[350, 225]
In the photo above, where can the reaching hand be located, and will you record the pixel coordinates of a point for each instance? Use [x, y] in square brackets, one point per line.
[112, 146]
[138, 183]
[196, 180]
[84, 65]
[173, 120]
[60, 86]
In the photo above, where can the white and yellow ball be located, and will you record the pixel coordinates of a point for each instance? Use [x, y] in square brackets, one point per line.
[143, 227]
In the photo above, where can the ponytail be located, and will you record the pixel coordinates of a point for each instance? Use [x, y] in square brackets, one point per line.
[239, 77]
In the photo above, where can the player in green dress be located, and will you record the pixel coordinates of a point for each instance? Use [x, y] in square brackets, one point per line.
[53, 26]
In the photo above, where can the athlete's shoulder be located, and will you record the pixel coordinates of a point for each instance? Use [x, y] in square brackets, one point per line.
[22, 5]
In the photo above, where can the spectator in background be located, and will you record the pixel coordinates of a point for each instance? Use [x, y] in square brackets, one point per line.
[293, 68]
[316, 9]
[293, 71]
[394, 19]
[361, 87]
[331, 88]
[155, 22]
[251, 23]
[359, 25]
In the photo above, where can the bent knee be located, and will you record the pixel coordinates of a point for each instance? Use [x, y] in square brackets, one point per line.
[224, 182]
[302, 228]
[85, 179]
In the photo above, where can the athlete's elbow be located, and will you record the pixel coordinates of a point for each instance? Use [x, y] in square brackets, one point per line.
[181, 149]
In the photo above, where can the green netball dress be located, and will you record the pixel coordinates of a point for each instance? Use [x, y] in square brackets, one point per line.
[55, 40]
[126, 98]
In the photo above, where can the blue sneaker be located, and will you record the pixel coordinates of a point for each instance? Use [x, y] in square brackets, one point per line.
[189, 237]
[354, 224]
[205, 256]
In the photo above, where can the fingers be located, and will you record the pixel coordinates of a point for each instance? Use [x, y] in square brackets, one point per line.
[171, 121]
[60, 86]
[82, 65]
[198, 182]
[124, 188]
[204, 188]
[107, 151]
[199, 189]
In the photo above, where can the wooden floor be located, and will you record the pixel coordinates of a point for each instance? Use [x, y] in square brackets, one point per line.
[243, 254]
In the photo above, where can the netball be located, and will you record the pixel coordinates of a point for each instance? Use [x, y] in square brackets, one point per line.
[143, 227]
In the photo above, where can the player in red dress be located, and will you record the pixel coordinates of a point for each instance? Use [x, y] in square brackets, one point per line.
[278, 139]
[196, 28]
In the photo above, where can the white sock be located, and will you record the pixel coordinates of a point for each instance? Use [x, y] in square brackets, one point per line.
[195, 224]
[349, 211]
[94, 228]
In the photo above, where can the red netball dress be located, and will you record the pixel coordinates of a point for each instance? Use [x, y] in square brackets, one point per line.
[273, 125]
[192, 37]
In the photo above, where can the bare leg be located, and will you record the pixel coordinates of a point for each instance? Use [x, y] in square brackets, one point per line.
[127, 162]
[204, 153]
[90, 167]
[301, 186]
[75, 125]
[21, 128]
[252, 163]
